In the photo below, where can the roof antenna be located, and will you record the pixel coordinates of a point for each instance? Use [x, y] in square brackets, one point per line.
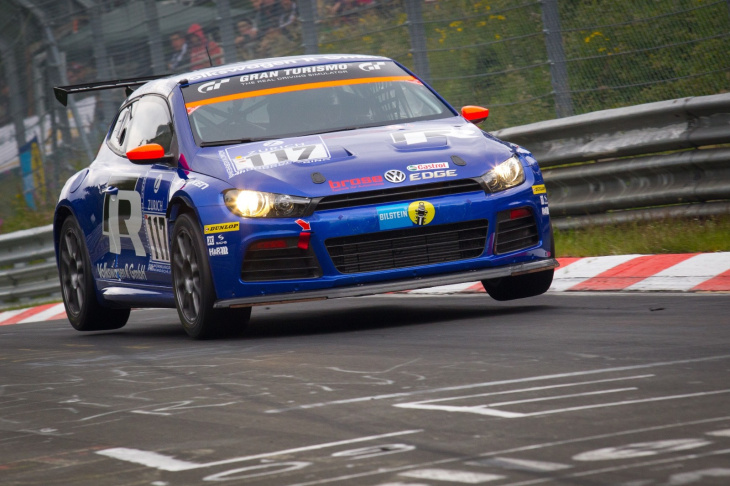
[208, 52]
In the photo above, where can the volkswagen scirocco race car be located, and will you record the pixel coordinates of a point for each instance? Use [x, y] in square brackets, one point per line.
[293, 179]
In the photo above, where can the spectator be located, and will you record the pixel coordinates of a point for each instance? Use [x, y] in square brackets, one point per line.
[246, 40]
[180, 55]
[203, 53]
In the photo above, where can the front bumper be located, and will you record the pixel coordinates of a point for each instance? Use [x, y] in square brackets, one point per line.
[392, 285]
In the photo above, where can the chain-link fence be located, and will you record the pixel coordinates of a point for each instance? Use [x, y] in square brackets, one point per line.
[527, 62]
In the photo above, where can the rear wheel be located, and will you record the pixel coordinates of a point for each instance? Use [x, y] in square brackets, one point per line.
[193, 286]
[77, 285]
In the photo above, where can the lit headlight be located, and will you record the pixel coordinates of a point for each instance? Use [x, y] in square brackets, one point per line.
[507, 174]
[255, 204]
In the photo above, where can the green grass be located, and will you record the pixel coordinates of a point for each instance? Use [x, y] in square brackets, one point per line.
[710, 234]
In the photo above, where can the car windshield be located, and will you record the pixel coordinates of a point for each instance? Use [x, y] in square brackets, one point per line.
[297, 101]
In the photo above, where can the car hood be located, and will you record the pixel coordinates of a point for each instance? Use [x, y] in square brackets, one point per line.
[356, 160]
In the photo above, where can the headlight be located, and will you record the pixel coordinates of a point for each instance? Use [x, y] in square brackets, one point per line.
[255, 204]
[507, 174]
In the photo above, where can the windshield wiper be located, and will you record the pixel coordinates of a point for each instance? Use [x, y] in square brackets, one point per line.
[216, 143]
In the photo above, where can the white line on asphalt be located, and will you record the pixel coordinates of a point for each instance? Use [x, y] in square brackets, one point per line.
[520, 464]
[531, 447]
[451, 476]
[496, 383]
[167, 463]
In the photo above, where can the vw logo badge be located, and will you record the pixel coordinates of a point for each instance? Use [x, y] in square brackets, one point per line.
[395, 176]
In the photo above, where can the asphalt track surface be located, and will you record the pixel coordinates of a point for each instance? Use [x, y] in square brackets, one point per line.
[577, 389]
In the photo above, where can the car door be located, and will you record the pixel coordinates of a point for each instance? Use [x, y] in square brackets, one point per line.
[135, 202]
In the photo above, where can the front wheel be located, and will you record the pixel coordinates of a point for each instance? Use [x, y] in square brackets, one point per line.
[520, 286]
[77, 285]
[193, 286]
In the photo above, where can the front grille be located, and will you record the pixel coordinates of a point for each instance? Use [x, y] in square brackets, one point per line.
[287, 263]
[421, 245]
[396, 194]
[516, 230]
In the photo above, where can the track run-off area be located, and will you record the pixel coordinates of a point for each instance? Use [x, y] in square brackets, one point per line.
[619, 388]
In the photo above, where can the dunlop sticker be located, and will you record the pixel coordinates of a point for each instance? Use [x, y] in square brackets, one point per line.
[539, 189]
[220, 228]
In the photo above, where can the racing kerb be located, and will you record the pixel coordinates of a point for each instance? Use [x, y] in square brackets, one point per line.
[656, 160]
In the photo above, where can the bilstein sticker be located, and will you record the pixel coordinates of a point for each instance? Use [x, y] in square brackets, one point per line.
[421, 212]
[220, 228]
[394, 216]
[539, 189]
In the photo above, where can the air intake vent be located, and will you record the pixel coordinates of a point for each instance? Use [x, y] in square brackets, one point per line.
[396, 194]
[421, 245]
[279, 259]
[516, 230]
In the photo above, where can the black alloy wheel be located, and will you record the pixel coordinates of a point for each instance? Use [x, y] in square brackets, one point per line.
[193, 286]
[77, 285]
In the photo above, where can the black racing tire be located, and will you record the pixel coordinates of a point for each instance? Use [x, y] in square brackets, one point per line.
[193, 286]
[520, 286]
[77, 284]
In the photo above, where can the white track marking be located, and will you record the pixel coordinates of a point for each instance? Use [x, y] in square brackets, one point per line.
[520, 464]
[497, 383]
[532, 447]
[451, 476]
[167, 463]
[687, 274]
[720, 433]
[581, 270]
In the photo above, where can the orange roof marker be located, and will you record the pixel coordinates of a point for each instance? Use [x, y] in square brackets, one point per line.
[298, 87]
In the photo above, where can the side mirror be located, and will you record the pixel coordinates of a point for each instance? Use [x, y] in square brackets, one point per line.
[475, 114]
[146, 153]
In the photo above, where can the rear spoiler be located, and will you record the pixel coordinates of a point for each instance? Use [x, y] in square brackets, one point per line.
[62, 92]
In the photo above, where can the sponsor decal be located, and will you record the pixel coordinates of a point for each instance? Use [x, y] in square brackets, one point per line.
[218, 251]
[545, 211]
[437, 174]
[220, 228]
[155, 206]
[123, 215]
[434, 166]
[206, 87]
[156, 226]
[215, 240]
[198, 184]
[539, 189]
[158, 181]
[421, 212]
[395, 176]
[543, 199]
[371, 66]
[356, 182]
[258, 155]
[129, 272]
[394, 216]
[159, 267]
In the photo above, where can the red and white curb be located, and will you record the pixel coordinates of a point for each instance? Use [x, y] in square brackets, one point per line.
[685, 272]
[46, 312]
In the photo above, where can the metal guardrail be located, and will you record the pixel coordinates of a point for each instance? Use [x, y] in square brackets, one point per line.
[659, 160]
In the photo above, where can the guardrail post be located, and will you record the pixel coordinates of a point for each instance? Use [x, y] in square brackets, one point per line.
[556, 57]
[308, 17]
[418, 39]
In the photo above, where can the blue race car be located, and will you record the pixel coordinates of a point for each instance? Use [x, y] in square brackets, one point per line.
[293, 179]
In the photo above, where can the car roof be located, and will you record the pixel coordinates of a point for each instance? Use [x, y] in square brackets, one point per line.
[165, 85]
